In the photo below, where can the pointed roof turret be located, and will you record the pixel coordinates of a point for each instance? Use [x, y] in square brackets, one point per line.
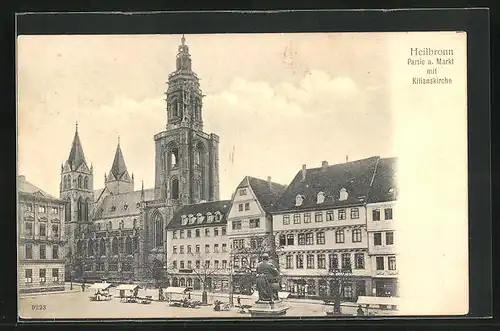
[76, 156]
[118, 169]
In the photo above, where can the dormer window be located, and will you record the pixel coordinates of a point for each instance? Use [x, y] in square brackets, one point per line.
[391, 191]
[321, 198]
[113, 208]
[343, 194]
[299, 199]
[191, 219]
[243, 191]
[210, 217]
[125, 207]
[199, 217]
[138, 205]
[183, 220]
[218, 216]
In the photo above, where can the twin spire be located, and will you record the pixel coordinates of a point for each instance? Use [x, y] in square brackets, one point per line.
[118, 169]
[76, 156]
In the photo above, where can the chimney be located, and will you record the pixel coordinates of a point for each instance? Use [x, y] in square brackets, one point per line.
[324, 165]
[346, 158]
[304, 171]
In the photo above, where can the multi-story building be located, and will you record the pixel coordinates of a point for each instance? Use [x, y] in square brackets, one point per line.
[197, 246]
[250, 228]
[381, 229]
[40, 228]
[119, 232]
[320, 220]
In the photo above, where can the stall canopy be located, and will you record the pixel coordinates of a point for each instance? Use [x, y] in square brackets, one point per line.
[100, 286]
[281, 295]
[127, 287]
[177, 290]
[389, 301]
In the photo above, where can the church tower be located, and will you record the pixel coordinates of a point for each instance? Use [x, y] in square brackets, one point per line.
[118, 180]
[187, 159]
[76, 188]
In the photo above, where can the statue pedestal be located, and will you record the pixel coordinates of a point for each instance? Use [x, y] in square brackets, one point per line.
[268, 308]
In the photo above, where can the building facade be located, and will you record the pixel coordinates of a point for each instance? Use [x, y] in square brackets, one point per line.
[120, 233]
[41, 233]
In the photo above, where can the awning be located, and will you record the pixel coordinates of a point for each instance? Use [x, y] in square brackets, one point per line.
[127, 287]
[178, 290]
[100, 286]
[389, 301]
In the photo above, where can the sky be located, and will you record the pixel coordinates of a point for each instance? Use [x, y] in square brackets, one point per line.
[278, 100]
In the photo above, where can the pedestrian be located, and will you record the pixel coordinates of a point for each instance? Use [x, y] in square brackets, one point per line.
[238, 299]
[360, 311]
[83, 287]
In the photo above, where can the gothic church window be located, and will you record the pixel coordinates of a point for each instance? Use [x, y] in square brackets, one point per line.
[128, 245]
[114, 246]
[80, 209]
[67, 210]
[175, 189]
[80, 179]
[90, 248]
[102, 247]
[158, 222]
[86, 182]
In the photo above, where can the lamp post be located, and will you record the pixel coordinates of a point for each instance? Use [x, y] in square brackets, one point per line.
[231, 295]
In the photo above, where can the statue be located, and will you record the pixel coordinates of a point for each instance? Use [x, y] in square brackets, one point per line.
[267, 280]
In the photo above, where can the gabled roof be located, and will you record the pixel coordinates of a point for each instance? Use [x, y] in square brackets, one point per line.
[212, 207]
[266, 192]
[384, 186]
[119, 201]
[355, 177]
[76, 156]
[118, 169]
[23, 186]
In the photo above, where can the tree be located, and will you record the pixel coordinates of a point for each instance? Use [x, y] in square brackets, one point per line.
[337, 279]
[204, 270]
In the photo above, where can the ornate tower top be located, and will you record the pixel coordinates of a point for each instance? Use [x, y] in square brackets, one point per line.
[76, 156]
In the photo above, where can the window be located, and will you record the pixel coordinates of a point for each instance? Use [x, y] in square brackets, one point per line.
[255, 223]
[236, 262]
[289, 261]
[174, 249]
[197, 249]
[216, 248]
[190, 265]
[296, 219]
[380, 262]
[236, 225]
[339, 236]
[329, 215]
[301, 239]
[134, 224]
[42, 274]
[377, 238]
[181, 249]
[207, 248]
[286, 219]
[174, 264]
[238, 243]
[55, 210]
[343, 194]
[307, 218]
[29, 208]
[389, 238]
[359, 260]
[341, 214]
[309, 238]
[310, 261]
[240, 207]
[333, 261]
[356, 236]
[182, 265]
[299, 199]
[282, 240]
[299, 261]
[320, 238]
[41, 209]
[55, 275]
[181, 234]
[28, 228]
[224, 247]
[197, 232]
[247, 205]
[388, 213]
[28, 254]
[174, 235]
[197, 264]
[348, 291]
[189, 233]
[189, 248]
[207, 232]
[28, 275]
[216, 232]
[216, 264]
[290, 239]
[43, 230]
[318, 217]
[223, 230]
[55, 252]
[184, 220]
[122, 225]
[346, 260]
[321, 261]
[354, 213]
[243, 191]
[55, 231]
[207, 264]
[392, 262]
[210, 217]
[224, 264]
[43, 252]
[376, 214]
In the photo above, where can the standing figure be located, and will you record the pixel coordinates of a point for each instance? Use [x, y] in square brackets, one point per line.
[267, 280]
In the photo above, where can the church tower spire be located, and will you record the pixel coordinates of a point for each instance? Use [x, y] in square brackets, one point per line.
[118, 180]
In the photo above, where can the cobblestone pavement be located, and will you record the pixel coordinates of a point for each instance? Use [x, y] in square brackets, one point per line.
[77, 305]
